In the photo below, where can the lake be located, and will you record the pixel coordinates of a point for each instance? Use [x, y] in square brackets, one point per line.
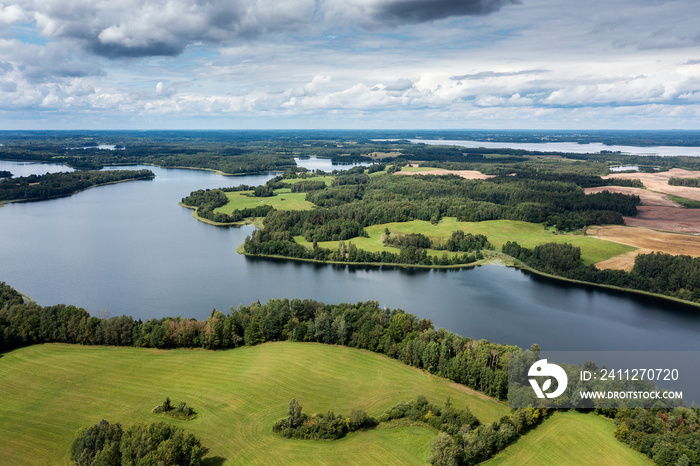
[564, 147]
[129, 248]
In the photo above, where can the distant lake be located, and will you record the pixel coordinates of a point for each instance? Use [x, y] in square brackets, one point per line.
[129, 248]
[564, 147]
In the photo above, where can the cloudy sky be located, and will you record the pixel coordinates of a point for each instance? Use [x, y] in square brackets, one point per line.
[559, 64]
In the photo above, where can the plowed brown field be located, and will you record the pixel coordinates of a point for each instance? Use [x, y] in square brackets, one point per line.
[659, 182]
[646, 240]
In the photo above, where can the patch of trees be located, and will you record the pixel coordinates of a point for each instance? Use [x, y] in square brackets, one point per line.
[667, 436]
[689, 182]
[465, 444]
[182, 412]
[159, 443]
[50, 185]
[319, 426]
[582, 180]
[666, 274]
[464, 242]
[308, 185]
[351, 178]
[480, 364]
[416, 240]
[263, 191]
[5, 174]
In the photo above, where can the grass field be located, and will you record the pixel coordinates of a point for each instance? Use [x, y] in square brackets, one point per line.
[49, 391]
[283, 199]
[497, 231]
[570, 438]
[328, 179]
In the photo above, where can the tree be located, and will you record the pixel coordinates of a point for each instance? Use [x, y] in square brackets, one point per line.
[444, 451]
[98, 445]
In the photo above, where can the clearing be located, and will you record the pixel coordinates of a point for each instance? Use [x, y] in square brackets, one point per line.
[283, 199]
[50, 391]
[414, 169]
[570, 438]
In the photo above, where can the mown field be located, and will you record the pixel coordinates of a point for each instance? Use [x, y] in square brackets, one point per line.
[283, 199]
[570, 438]
[497, 231]
[49, 391]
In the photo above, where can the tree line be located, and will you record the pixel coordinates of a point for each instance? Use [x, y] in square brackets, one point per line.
[481, 365]
[666, 274]
[50, 185]
[688, 182]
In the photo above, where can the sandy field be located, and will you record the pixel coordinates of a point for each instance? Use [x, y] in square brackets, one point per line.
[646, 240]
[656, 210]
[468, 174]
[667, 218]
[659, 182]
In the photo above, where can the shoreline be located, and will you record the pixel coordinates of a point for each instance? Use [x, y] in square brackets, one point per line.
[257, 221]
[499, 259]
[12, 201]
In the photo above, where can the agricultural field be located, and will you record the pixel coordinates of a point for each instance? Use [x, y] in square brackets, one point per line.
[564, 436]
[50, 391]
[497, 231]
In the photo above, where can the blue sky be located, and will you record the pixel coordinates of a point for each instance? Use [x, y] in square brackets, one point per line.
[228, 64]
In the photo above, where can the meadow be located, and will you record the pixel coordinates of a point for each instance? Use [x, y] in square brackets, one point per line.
[570, 438]
[50, 391]
[497, 231]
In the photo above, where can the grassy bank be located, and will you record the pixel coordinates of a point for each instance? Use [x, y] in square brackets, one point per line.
[50, 391]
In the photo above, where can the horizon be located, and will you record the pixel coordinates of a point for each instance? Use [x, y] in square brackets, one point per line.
[349, 64]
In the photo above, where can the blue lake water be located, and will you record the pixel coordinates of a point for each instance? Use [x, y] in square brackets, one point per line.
[129, 248]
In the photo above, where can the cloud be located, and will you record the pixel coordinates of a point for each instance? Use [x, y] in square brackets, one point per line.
[10, 14]
[418, 11]
[496, 74]
[141, 28]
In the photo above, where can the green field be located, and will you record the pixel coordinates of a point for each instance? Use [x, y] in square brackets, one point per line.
[49, 391]
[570, 438]
[497, 231]
[328, 179]
[283, 199]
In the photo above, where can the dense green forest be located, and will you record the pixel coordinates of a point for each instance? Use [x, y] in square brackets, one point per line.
[666, 274]
[50, 185]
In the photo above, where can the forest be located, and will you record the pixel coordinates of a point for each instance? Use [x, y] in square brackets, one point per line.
[50, 185]
[659, 273]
